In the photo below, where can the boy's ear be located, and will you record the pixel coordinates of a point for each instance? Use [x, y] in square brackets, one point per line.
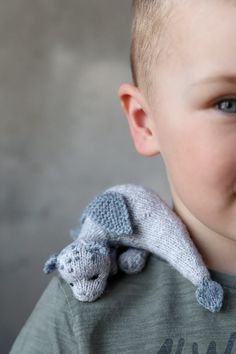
[139, 119]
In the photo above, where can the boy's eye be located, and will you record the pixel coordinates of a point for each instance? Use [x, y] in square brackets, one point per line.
[228, 105]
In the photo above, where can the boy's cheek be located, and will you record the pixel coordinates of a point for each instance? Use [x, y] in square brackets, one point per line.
[200, 173]
[199, 195]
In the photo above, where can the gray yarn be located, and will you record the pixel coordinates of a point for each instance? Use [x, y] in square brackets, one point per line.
[136, 217]
[110, 211]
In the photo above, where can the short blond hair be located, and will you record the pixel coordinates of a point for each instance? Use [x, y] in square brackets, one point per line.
[149, 20]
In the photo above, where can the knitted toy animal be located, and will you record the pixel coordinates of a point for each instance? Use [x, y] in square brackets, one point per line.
[134, 216]
[131, 261]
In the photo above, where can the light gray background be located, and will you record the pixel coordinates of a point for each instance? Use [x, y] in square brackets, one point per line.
[63, 135]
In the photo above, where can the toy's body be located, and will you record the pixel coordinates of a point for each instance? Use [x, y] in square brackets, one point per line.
[133, 216]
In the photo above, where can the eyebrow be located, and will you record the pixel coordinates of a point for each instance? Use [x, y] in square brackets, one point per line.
[217, 78]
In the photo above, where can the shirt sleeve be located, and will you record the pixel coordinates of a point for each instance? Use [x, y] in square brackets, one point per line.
[49, 328]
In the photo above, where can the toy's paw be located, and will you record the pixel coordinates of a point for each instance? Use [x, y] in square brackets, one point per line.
[133, 260]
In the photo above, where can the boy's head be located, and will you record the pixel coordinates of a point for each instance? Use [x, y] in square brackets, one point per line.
[149, 43]
[179, 48]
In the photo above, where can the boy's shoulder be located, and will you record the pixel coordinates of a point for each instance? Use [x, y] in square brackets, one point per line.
[124, 293]
[158, 303]
[121, 291]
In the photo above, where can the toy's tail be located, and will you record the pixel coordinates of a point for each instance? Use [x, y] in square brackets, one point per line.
[210, 295]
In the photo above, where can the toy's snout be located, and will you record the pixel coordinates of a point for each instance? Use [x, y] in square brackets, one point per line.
[88, 290]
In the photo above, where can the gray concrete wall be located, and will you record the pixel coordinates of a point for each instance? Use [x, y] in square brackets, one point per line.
[63, 135]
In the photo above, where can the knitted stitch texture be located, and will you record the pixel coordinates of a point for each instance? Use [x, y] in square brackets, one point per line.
[133, 216]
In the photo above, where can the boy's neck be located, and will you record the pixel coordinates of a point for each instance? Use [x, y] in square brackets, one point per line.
[218, 252]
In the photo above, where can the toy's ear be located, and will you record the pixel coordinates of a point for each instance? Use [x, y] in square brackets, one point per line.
[110, 211]
[51, 264]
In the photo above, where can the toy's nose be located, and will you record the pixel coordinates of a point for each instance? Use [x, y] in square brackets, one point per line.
[82, 296]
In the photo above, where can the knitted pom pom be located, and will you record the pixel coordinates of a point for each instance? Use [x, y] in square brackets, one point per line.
[133, 260]
[210, 295]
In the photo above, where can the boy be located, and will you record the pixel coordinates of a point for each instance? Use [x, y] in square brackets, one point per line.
[182, 105]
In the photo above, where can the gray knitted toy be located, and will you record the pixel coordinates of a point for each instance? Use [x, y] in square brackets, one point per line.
[131, 261]
[133, 216]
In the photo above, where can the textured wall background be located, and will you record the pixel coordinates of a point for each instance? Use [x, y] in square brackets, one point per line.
[63, 135]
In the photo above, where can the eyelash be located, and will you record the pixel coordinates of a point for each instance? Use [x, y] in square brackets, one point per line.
[226, 99]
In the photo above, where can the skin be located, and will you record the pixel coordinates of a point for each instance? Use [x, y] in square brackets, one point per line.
[193, 132]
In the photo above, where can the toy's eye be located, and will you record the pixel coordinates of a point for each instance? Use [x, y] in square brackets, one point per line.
[94, 277]
[71, 284]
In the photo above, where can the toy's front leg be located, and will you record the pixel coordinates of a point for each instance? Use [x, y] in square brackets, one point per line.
[132, 260]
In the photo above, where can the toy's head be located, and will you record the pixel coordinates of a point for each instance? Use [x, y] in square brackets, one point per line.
[85, 266]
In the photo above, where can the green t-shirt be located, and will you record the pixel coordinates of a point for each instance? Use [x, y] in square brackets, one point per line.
[151, 312]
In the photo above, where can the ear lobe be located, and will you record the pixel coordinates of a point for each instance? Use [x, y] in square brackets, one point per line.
[51, 264]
